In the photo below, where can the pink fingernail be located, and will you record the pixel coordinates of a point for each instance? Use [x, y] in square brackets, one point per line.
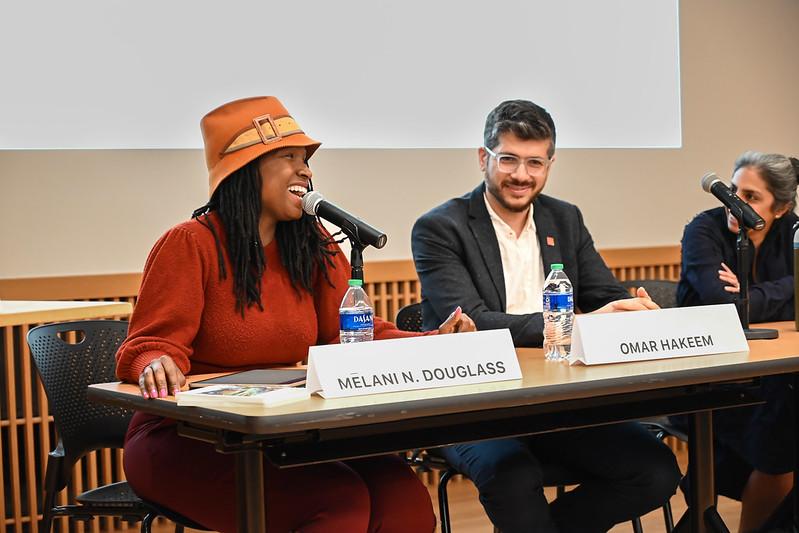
[154, 393]
[177, 390]
[164, 394]
[146, 396]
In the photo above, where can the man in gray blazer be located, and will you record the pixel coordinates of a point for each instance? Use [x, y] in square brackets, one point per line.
[489, 252]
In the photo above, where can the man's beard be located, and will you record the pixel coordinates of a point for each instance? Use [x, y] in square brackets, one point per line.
[496, 192]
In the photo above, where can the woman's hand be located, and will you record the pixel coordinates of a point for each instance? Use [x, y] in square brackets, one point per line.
[457, 322]
[161, 377]
[641, 302]
[729, 278]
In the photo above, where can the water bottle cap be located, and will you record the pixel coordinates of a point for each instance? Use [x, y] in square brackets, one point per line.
[556, 266]
[355, 282]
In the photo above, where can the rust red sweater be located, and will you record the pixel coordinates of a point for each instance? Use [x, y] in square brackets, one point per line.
[185, 311]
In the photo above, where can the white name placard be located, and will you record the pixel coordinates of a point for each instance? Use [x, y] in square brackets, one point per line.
[644, 335]
[338, 370]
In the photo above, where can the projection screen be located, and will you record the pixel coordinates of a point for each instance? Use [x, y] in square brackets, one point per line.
[357, 73]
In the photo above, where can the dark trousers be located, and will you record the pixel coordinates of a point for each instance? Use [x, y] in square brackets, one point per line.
[624, 471]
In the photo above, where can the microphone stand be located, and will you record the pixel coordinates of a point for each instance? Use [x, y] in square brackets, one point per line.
[742, 303]
[356, 258]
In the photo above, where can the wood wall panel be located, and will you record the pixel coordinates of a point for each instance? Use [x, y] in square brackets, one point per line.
[26, 427]
[659, 262]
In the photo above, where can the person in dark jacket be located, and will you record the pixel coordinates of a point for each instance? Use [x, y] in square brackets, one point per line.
[490, 251]
[768, 183]
[754, 445]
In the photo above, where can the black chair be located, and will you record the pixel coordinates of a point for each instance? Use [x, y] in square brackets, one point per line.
[409, 318]
[66, 370]
[662, 291]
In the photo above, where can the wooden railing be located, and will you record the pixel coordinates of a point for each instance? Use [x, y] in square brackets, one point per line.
[26, 428]
[390, 284]
[656, 262]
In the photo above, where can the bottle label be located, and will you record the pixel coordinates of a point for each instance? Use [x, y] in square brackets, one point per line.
[563, 301]
[358, 321]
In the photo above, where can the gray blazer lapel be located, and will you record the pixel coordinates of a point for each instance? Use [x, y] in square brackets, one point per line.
[548, 239]
[483, 231]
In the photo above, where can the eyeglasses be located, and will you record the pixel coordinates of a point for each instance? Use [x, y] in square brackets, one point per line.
[508, 163]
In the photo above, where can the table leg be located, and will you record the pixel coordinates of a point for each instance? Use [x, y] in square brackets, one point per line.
[702, 506]
[250, 502]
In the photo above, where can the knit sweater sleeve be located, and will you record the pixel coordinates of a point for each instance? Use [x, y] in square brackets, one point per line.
[169, 307]
[327, 299]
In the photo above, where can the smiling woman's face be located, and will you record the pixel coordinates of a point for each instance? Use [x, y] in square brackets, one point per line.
[285, 179]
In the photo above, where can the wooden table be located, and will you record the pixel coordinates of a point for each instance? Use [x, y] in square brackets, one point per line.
[23, 406]
[19, 312]
[551, 396]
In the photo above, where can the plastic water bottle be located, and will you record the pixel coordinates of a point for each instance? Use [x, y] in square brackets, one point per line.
[558, 314]
[356, 316]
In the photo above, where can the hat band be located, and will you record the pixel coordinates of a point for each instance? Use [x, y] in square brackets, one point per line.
[265, 130]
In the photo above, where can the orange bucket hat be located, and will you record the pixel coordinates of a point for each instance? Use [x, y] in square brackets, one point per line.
[243, 130]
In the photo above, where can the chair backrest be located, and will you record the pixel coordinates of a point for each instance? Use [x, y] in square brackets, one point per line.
[662, 291]
[66, 370]
[409, 318]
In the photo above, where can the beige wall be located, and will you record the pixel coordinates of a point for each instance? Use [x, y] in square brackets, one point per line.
[74, 212]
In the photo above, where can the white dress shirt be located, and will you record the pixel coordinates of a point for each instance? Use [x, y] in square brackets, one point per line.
[521, 264]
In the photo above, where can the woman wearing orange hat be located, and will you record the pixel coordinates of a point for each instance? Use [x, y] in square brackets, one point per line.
[251, 281]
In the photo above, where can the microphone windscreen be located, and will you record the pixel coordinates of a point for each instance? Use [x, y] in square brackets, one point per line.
[310, 201]
[708, 180]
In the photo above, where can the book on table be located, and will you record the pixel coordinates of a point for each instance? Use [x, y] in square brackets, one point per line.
[274, 377]
[241, 395]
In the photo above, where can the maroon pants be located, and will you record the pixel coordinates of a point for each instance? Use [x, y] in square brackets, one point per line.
[188, 476]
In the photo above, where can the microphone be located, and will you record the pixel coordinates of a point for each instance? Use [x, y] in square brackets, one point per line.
[314, 204]
[740, 209]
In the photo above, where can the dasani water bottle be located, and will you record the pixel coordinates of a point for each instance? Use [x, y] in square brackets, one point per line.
[558, 314]
[356, 316]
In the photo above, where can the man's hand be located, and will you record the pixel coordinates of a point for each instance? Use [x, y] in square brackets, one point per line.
[457, 322]
[641, 302]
